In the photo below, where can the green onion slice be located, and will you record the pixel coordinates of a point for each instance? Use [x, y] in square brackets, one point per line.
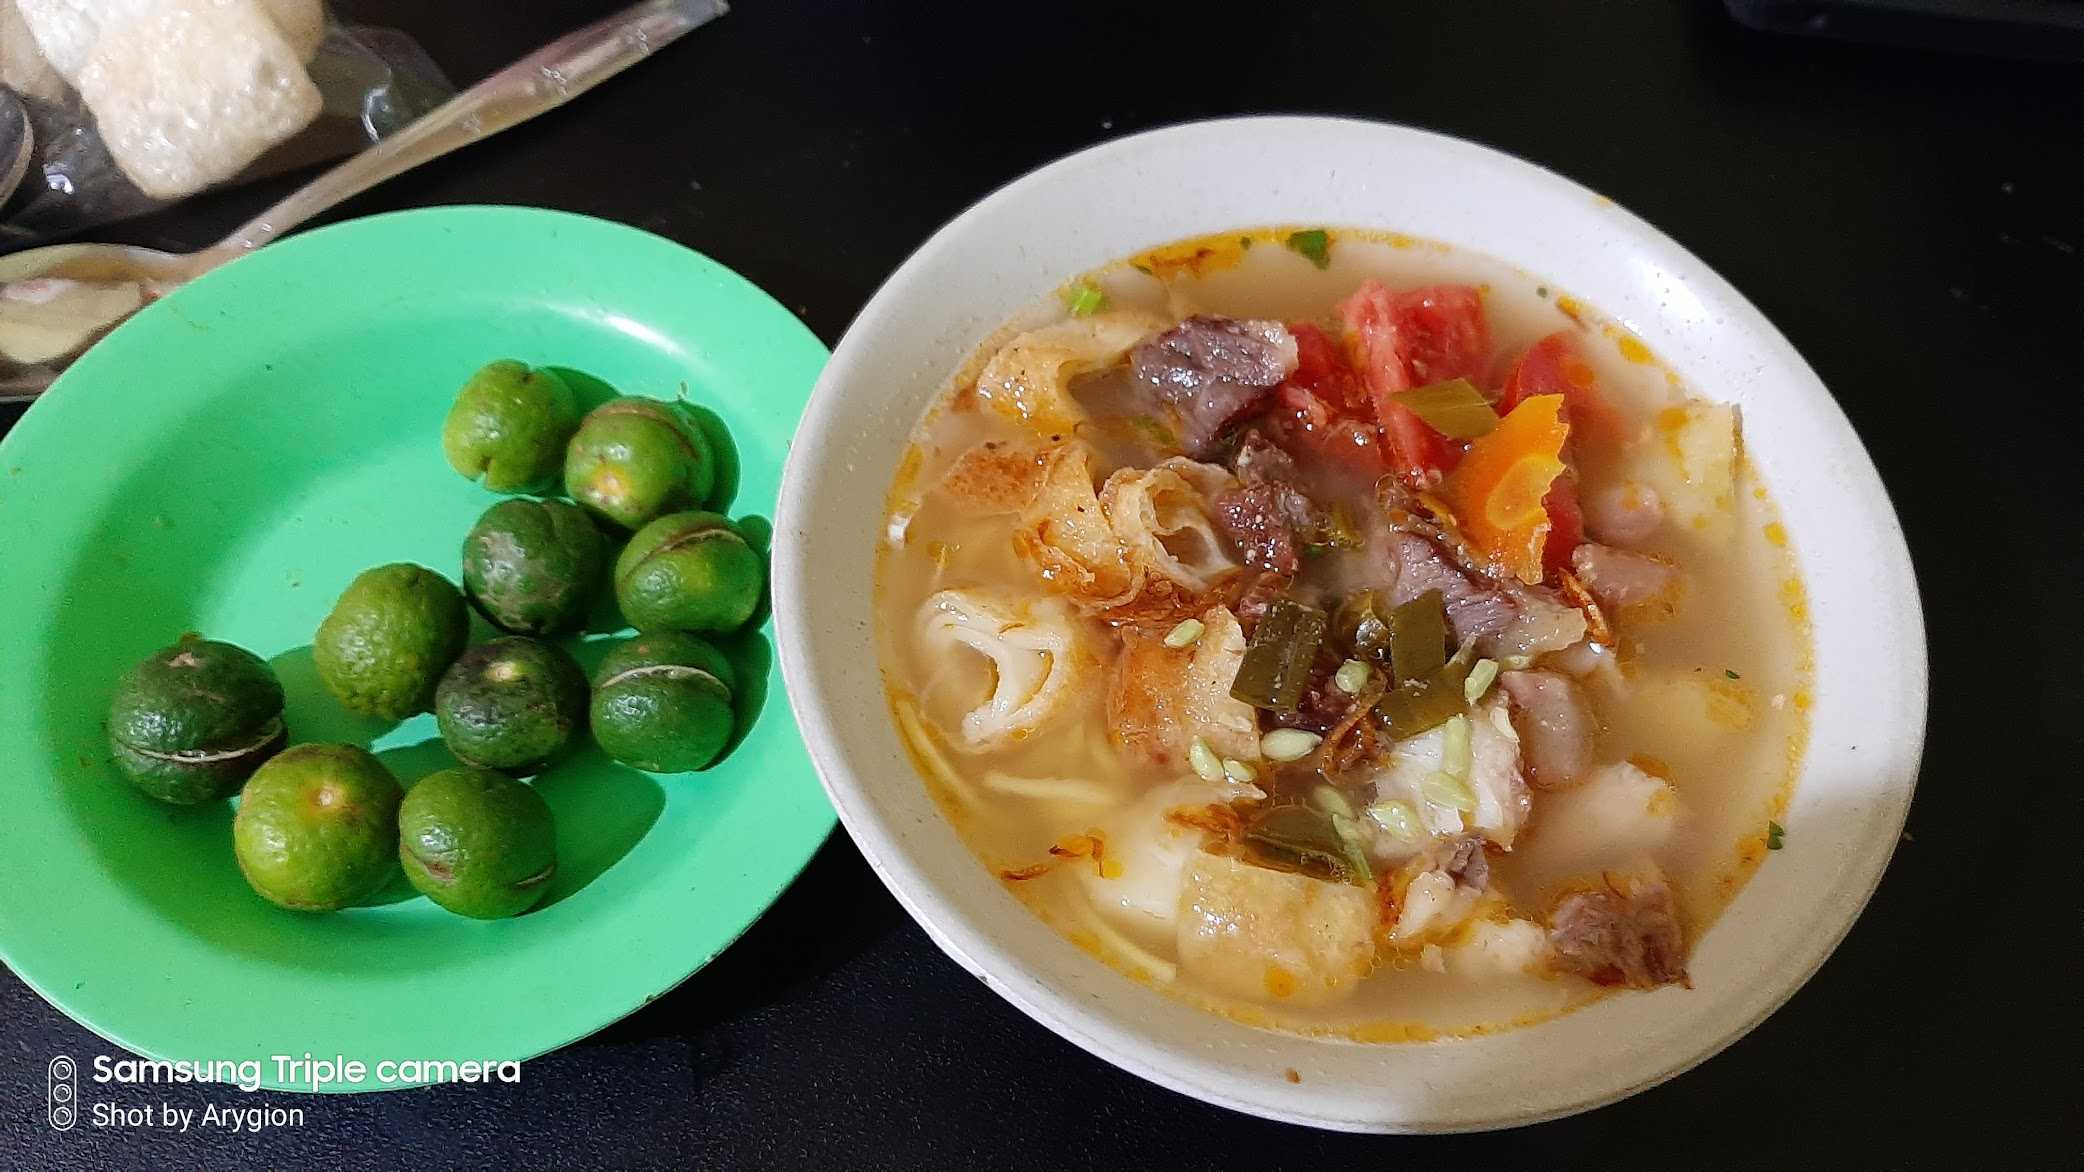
[1084, 299]
[1312, 243]
[1399, 819]
[1277, 661]
[1418, 636]
[1454, 747]
[1417, 706]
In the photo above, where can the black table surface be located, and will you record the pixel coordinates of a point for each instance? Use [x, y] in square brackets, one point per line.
[1911, 220]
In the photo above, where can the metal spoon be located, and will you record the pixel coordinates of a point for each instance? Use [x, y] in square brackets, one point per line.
[17, 142]
[57, 301]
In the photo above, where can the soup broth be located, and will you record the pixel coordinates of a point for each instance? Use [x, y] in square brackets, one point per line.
[1075, 615]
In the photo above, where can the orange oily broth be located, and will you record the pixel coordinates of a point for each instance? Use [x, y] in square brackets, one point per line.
[1713, 697]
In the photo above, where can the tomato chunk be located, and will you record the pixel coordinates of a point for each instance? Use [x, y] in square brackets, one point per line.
[1375, 337]
[1443, 333]
[1556, 365]
[1322, 412]
[1566, 524]
[1321, 368]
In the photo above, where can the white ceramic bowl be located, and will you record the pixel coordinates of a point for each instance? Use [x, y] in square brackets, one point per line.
[1114, 200]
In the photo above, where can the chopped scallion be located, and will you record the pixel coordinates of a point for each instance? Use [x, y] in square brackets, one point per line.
[1289, 744]
[1352, 676]
[1454, 408]
[1185, 634]
[1084, 299]
[1328, 799]
[1481, 677]
[1775, 836]
[1312, 243]
[1451, 792]
[1207, 766]
[1398, 818]
[1454, 748]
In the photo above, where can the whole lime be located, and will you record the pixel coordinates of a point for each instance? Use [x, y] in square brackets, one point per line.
[662, 703]
[532, 566]
[395, 629]
[317, 827]
[510, 426]
[688, 572]
[634, 458]
[511, 703]
[478, 843]
[192, 721]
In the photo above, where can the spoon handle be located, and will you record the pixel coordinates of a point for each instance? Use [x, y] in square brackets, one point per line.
[537, 83]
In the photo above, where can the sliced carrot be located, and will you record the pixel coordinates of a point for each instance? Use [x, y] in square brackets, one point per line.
[1497, 491]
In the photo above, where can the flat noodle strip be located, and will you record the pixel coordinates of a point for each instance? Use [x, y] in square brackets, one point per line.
[1059, 789]
[1143, 958]
[923, 747]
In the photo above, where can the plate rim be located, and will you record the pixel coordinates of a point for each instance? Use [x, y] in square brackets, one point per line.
[53, 409]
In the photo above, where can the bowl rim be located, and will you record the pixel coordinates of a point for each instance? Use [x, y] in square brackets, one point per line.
[973, 946]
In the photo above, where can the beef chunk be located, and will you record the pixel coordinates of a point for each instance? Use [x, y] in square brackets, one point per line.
[1259, 461]
[1268, 518]
[1260, 593]
[1624, 932]
[1212, 371]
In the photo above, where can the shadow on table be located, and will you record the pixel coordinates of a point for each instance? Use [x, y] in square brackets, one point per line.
[833, 911]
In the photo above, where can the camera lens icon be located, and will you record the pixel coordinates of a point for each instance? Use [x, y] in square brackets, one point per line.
[64, 1090]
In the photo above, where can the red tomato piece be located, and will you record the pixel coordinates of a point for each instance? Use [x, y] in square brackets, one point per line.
[1322, 412]
[1375, 338]
[1321, 369]
[1312, 430]
[1566, 524]
[1443, 333]
[1556, 365]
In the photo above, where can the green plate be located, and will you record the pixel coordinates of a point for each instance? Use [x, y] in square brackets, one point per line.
[225, 463]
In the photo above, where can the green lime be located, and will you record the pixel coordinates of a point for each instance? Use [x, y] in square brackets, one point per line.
[394, 631]
[509, 426]
[512, 703]
[478, 843]
[532, 566]
[634, 458]
[688, 572]
[317, 827]
[192, 721]
[662, 703]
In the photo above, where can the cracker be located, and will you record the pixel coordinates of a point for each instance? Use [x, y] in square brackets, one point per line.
[66, 29]
[188, 92]
[22, 65]
[301, 22]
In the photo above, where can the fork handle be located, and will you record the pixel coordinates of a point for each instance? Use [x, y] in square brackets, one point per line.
[537, 83]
